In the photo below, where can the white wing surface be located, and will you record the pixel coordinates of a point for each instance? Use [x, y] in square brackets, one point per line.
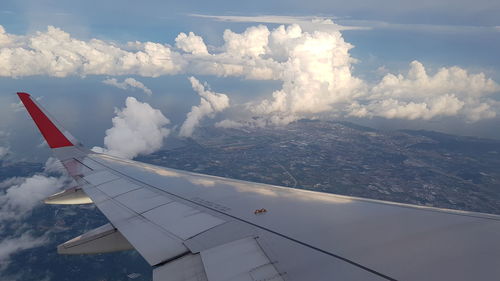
[191, 226]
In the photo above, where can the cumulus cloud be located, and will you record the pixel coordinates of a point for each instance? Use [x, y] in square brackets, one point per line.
[18, 197]
[11, 245]
[55, 53]
[316, 74]
[24, 196]
[54, 166]
[137, 129]
[191, 43]
[128, 83]
[418, 95]
[21, 195]
[313, 64]
[210, 103]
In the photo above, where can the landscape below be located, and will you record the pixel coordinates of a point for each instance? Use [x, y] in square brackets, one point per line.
[416, 167]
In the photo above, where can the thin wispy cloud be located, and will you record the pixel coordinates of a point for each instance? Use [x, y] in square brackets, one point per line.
[306, 22]
[4, 151]
[441, 28]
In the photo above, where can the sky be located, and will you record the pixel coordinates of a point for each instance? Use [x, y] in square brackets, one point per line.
[126, 76]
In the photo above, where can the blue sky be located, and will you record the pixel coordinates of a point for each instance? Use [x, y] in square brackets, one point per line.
[451, 46]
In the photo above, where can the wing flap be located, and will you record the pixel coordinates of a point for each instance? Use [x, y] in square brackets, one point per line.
[153, 243]
[186, 268]
[240, 260]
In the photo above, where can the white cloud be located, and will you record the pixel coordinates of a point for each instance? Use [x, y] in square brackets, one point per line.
[18, 197]
[316, 74]
[314, 66]
[3, 152]
[210, 103]
[137, 129]
[12, 245]
[18, 106]
[418, 95]
[55, 53]
[419, 27]
[6, 39]
[53, 166]
[307, 23]
[128, 83]
[251, 43]
[191, 44]
[226, 123]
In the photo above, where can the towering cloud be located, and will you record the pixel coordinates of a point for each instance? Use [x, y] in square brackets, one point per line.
[128, 83]
[316, 74]
[137, 129]
[210, 103]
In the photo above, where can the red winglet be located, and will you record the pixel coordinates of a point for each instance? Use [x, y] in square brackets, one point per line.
[50, 132]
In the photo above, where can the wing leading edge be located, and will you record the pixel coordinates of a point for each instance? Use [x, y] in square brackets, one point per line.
[190, 226]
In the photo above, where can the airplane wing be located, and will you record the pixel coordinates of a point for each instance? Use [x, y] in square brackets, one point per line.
[193, 227]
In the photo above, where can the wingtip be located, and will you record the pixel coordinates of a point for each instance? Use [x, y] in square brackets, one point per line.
[23, 94]
[54, 137]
